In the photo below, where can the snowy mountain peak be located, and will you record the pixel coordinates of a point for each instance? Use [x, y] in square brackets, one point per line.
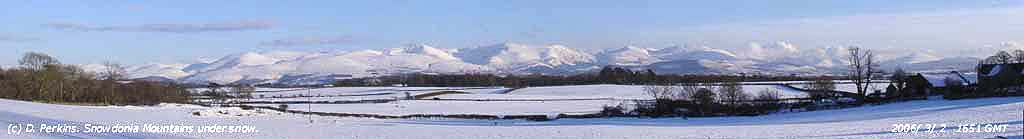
[515, 58]
[783, 46]
[681, 52]
[170, 71]
[238, 60]
[284, 55]
[628, 55]
[562, 55]
[686, 48]
[422, 49]
[629, 48]
[252, 59]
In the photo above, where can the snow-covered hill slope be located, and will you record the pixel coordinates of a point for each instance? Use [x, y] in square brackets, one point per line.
[513, 57]
[694, 53]
[268, 67]
[629, 55]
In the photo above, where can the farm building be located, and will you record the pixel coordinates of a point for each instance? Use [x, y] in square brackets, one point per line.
[927, 84]
[1007, 78]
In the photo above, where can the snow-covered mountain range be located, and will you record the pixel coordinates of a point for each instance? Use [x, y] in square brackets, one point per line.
[513, 58]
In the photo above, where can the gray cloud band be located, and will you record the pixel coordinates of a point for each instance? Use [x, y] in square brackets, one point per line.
[4, 38]
[171, 28]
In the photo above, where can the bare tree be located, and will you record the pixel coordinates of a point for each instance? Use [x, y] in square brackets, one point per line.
[954, 86]
[899, 79]
[862, 68]
[769, 98]
[1018, 55]
[37, 61]
[769, 94]
[821, 84]
[41, 73]
[112, 71]
[1001, 57]
[242, 91]
[704, 96]
[660, 91]
[704, 99]
[75, 76]
[732, 93]
[898, 82]
[685, 91]
[822, 88]
[213, 90]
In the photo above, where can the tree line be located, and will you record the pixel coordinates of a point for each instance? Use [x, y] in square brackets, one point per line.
[703, 99]
[607, 75]
[726, 96]
[42, 78]
[1005, 57]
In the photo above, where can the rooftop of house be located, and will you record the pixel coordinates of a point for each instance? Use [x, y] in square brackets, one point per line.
[990, 70]
[939, 79]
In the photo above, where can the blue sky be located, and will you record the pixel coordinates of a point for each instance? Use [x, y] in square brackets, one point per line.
[136, 32]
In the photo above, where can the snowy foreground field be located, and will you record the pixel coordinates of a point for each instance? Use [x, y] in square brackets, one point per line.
[554, 100]
[861, 122]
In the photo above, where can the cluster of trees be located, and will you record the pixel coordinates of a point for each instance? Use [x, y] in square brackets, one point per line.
[607, 75]
[727, 97]
[999, 85]
[220, 93]
[899, 89]
[1005, 57]
[43, 78]
[619, 75]
[955, 88]
[822, 88]
[706, 99]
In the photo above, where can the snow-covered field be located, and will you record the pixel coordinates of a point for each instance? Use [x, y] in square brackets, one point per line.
[357, 93]
[578, 99]
[852, 88]
[861, 122]
[606, 91]
[335, 91]
[619, 92]
[410, 107]
[581, 99]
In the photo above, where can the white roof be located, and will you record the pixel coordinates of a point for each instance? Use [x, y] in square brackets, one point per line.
[938, 79]
[971, 77]
[995, 70]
